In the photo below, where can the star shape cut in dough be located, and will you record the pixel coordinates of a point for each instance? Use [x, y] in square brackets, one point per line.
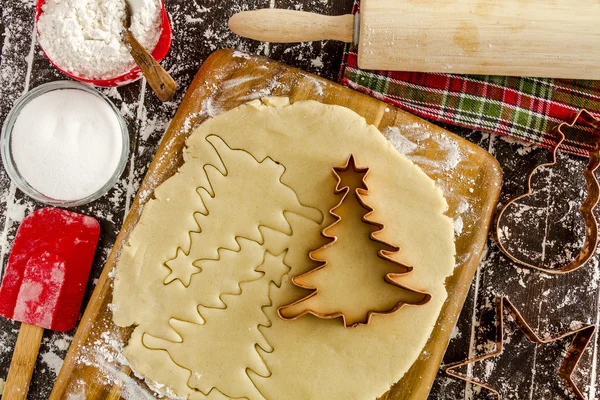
[182, 268]
[581, 339]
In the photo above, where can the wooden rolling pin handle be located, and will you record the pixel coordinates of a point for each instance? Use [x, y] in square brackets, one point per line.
[288, 26]
[23, 362]
[159, 80]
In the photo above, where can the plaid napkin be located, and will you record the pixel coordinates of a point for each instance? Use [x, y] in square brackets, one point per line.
[524, 108]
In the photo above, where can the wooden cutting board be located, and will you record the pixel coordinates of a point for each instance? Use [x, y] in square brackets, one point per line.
[469, 176]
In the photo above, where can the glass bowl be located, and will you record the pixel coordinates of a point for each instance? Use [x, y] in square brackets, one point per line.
[9, 162]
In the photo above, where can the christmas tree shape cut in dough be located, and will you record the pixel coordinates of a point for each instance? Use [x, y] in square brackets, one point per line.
[230, 337]
[245, 190]
[223, 276]
[353, 263]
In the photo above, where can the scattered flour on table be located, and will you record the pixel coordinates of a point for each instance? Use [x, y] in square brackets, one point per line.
[554, 218]
[54, 350]
[53, 361]
[62, 344]
[561, 305]
[577, 325]
[151, 125]
[84, 37]
[456, 333]
[5, 347]
[1, 386]
[524, 147]
[112, 92]
[317, 62]
[16, 211]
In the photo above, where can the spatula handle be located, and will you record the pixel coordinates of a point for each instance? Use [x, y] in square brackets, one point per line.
[288, 26]
[23, 362]
[163, 85]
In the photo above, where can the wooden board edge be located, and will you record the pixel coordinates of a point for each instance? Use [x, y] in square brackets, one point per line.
[435, 351]
[423, 372]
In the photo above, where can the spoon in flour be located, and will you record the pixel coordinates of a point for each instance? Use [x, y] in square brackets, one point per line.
[159, 80]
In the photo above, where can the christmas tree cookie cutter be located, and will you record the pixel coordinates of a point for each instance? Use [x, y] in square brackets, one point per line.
[587, 120]
[581, 338]
[384, 253]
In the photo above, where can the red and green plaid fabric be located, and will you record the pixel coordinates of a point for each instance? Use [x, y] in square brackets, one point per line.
[524, 108]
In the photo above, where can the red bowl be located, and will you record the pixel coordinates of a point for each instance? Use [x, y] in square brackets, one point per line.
[160, 51]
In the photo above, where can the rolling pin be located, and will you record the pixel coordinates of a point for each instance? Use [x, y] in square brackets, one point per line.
[539, 38]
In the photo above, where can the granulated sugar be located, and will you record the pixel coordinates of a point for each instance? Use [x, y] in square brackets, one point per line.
[83, 37]
[66, 144]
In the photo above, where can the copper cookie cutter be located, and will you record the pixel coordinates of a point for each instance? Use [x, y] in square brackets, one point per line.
[582, 338]
[583, 118]
[385, 253]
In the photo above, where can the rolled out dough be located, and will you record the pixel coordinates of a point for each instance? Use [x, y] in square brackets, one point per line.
[211, 260]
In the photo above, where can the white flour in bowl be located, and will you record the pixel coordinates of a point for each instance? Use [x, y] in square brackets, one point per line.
[83, 37]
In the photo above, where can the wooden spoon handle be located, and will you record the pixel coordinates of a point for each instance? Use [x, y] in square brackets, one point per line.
[159, 80]
[23, 362]
[288, 26]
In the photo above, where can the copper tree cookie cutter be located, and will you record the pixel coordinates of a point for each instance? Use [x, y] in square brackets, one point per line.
[582, 337]
[586, 119]
[382, 253]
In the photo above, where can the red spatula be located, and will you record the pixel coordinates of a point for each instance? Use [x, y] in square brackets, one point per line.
[44, 284]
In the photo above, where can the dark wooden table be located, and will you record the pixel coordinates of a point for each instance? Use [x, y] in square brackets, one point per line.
[551, 304]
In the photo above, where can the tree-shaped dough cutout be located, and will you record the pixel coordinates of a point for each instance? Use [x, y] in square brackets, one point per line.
[357, 276]
[228, 345]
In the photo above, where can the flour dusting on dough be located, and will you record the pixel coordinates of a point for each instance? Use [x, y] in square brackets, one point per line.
[414, 141]
[446, 146]
[400, 142]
